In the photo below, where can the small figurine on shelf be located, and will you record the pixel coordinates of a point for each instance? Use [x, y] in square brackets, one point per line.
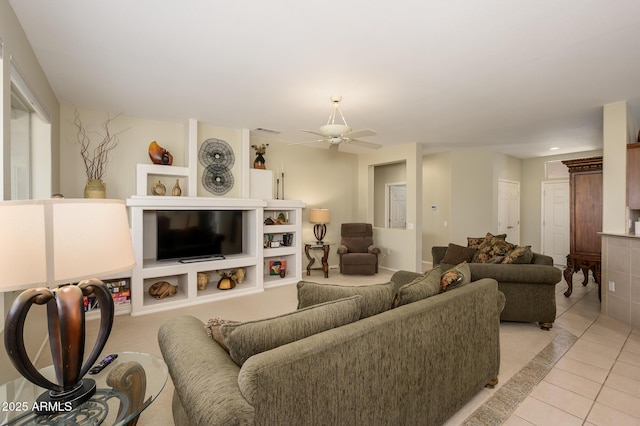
[226, 282]
[238, 275]
[159, 155]
[259, 162]
[203, 280]
[176, 191]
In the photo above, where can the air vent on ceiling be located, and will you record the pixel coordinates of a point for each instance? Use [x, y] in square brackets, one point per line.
[269, 131]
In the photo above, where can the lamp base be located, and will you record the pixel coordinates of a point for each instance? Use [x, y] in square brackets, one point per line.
[319, 231]
[52, 402]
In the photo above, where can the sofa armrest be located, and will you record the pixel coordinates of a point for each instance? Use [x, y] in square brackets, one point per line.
[373, 250]
[438, 252]
[203, 374]
[401, 278]
[541, 259]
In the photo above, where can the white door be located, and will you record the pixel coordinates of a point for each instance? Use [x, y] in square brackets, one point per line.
[397, 206]
[509, 210]
[555, 221]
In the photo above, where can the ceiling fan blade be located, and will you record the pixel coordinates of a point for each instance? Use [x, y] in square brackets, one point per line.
[313, 132]
[307, 142]
[365, 144]
[359, 134]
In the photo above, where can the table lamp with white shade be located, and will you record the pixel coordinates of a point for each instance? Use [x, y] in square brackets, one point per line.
[45, 245]
[320, 217]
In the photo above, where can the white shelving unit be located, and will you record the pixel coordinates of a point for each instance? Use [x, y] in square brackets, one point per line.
[255, 258]
[148, 174]
[291, 254]
[184, 275]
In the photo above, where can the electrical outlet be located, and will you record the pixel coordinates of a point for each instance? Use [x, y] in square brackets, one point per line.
[612, 286]
[388, 252]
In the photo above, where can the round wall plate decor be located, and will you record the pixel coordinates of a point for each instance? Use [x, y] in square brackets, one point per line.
[216, 151]
[217, 179]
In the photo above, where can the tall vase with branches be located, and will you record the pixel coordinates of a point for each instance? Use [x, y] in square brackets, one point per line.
[96, 158]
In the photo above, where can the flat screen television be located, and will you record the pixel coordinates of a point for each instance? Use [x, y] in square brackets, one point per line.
[198, 234]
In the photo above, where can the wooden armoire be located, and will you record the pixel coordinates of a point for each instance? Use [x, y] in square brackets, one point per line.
[585, 192]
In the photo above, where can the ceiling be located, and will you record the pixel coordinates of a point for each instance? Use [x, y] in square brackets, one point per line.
[513, 76]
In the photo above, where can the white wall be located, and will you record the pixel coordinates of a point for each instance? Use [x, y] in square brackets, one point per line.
[463, 185]
[17, 47]
[405, 244]
[614, 167]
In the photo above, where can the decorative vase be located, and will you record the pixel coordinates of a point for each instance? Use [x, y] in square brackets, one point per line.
[158, 188]
[258, 163]
[203, 280]
[176, 191]
[95, 188]
[226, 283]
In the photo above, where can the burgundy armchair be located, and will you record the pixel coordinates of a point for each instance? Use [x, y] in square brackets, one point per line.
[357, 253]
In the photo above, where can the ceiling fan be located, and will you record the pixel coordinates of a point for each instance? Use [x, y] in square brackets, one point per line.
[336, 133]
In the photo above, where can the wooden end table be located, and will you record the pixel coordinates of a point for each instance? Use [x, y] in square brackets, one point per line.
[315, 246]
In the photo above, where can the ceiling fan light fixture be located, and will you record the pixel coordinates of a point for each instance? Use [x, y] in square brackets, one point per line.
[334, 130]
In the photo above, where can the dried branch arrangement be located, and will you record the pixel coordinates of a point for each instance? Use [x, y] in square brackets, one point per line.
[96, 159]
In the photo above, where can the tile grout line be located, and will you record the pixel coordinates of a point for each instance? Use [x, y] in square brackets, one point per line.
[607, 378]
[507, 398]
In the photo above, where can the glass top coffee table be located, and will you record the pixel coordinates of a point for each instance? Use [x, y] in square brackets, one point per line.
[124, 389]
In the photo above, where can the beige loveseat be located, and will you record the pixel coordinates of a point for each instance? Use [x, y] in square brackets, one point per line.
[414, 364]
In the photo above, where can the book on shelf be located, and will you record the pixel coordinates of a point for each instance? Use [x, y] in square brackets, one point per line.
[120, 291]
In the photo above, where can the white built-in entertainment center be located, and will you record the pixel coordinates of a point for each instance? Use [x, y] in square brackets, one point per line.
[255, 259]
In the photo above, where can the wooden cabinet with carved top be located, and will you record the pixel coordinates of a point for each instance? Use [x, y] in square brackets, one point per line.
[585, 189]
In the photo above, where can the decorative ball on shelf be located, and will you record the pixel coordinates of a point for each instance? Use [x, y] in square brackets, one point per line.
[226, 282]
[159, 155]
[162, 289]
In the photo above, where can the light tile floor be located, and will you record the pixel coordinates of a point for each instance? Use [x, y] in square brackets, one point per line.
[589, 374]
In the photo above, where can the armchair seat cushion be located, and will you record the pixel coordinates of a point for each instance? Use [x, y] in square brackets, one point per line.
[360, 259]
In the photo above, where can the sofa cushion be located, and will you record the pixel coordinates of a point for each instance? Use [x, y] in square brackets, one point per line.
[457, 254]
[249, 338]
[424, 286]
[213, 330]
[490, 248]
[519, 255]
[474, 242]
[375, 298]
[450, 277]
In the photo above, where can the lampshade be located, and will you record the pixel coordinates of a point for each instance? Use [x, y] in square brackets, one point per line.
[61, 241]
[58, 241]
[320, 216]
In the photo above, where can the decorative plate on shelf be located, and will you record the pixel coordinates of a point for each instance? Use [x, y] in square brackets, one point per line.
[216, 151]
[217, 179]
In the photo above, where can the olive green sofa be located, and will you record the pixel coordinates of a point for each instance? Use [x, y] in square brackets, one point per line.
[529, 289]
[414, 364]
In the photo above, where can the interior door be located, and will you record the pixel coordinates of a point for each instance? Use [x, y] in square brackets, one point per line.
[397, 206]
[555, 221]
[509, 210]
